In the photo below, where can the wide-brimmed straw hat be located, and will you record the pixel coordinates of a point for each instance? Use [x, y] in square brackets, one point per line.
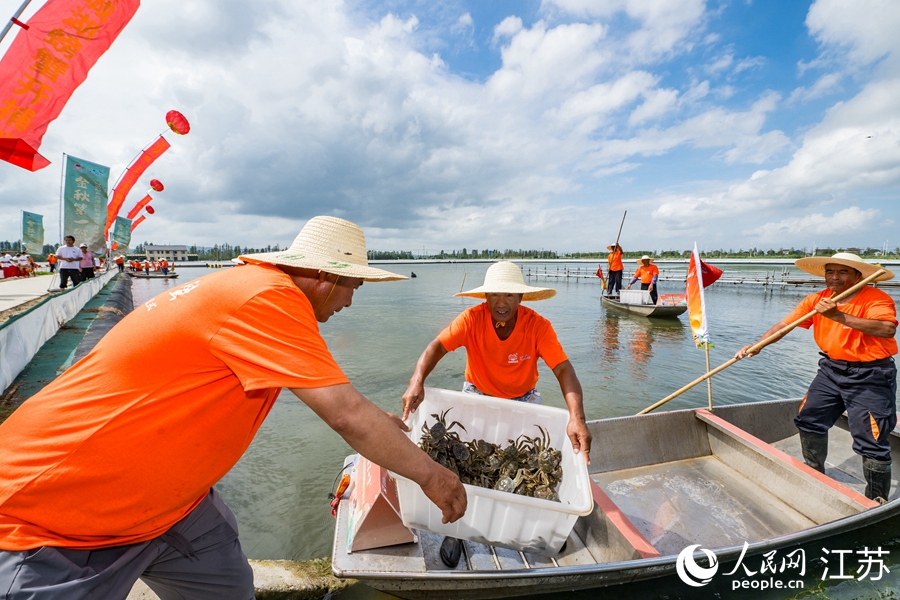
[613, 247]
[643, 258]
[331, 245]
[815, 265]
[506, 278]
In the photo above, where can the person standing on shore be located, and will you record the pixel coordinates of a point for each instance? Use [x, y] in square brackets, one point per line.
[69, 263]
[648, 274]
[503, 341]
[87, 263]
[107, 477]
[51, 261]
[857, 373]
[614, 259]
[120, 262]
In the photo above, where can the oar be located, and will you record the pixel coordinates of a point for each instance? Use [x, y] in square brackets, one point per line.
[606, 279]
[755, 348]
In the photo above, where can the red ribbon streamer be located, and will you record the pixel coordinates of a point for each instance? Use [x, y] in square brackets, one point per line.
[48, 59]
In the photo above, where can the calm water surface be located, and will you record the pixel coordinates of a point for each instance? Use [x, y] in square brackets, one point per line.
[279, 488]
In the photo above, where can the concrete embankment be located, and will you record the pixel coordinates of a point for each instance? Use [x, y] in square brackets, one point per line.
[274, 579]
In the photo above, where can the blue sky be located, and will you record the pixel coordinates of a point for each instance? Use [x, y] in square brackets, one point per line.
[529, 124]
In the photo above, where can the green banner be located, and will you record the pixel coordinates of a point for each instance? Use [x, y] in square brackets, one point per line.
[33, 232]
[122, 234]
[84, 201]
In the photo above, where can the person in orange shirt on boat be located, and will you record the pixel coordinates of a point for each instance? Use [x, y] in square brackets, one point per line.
[147, 267]
[503, 342]
[614, 259]
[648, 273]
[164, 266]
[107, 475]
[857, 372]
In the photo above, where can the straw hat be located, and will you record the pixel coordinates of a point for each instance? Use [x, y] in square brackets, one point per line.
[506, 278]
[643, 258]
[816, 265]
[331, 245]
[613, 247]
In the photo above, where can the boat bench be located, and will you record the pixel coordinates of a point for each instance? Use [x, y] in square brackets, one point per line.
[705, 470]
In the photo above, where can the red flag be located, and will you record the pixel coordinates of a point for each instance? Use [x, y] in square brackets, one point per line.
[137, 207]
[709, 273]
[45, 63]
[132, 174]
[138, 221]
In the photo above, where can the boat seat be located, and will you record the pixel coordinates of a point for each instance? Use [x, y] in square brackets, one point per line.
[814, 494]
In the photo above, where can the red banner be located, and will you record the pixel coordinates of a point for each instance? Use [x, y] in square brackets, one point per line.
[132, 174]
[137, 207]
[44, 65]
[138, 222]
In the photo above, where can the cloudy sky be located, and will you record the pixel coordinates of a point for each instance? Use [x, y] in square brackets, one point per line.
[495, 124]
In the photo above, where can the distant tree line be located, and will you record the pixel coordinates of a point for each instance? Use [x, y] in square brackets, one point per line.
[228, 251]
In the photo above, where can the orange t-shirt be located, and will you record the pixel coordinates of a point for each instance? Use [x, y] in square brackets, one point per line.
[646, 273]
[841, 342]
[615, 261]
[111, 454]
[51, 259]
[508, 368]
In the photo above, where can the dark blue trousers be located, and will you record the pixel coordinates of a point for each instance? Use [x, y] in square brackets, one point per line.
[867, 391]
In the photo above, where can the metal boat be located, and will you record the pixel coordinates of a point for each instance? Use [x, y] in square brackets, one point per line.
[655, 311]
[731, 480]
[151, 275]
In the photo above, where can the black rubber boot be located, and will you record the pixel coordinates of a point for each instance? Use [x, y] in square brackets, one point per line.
[815, 449]
[451, 551]
[878, 479]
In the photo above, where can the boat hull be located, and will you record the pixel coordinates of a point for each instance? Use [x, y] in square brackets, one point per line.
[733, 473]
[153, 276]
[653, 311]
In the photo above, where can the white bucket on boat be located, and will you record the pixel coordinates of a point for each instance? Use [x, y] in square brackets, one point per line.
[493, 517]
[635, 297]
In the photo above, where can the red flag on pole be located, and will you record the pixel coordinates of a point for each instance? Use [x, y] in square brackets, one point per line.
[708, 273]
[45, 63]
[132, 174]
[138, 221]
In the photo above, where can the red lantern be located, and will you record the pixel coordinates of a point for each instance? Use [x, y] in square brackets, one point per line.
[157, 185]
[150, 210]
[177, 122]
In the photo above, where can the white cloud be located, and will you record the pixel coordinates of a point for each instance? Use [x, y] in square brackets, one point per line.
[841, 223]
[507, 28]
[825, 84]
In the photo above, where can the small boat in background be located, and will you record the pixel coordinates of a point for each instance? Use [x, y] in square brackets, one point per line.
[151, 275]
[638, 302]
[731, 481]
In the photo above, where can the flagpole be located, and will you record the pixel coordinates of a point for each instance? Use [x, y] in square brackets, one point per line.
[708, 379]
[15, 16]
[755, 348]
[62, 183]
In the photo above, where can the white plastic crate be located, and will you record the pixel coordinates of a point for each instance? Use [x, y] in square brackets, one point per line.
[635, 297]
[492, 517]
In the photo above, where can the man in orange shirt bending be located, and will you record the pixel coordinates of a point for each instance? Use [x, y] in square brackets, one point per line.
[503, 341]
[648, 273]
[857, 373]
[106, 475]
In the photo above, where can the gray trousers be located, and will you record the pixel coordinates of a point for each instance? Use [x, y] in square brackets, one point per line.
[199, 558]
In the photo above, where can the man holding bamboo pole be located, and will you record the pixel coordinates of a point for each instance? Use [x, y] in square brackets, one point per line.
[857, 371]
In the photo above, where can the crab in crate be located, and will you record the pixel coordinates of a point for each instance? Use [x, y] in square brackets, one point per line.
[526, 466]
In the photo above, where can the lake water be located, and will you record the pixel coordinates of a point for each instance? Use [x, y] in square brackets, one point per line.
[279, 488]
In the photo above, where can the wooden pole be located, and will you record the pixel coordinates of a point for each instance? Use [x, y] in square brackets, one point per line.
[618, 235]
[755, 348]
